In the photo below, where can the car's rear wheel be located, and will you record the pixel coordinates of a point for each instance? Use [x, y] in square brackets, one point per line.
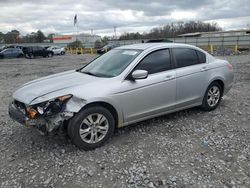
[91, 127]
[62, 52]
[26, 55]
[212, 97]
[50, 55]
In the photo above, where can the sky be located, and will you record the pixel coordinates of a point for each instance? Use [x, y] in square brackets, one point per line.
[56, 16]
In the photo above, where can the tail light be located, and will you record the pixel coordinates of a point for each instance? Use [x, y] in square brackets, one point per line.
[229, 66]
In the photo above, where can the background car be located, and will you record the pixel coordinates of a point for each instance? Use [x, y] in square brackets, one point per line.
[34, 51]
[11, 46]
[57, 50]
[11, 52]
[2, 48]
[106, 48]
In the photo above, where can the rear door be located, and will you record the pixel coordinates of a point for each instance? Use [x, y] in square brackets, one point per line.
[15, 52]
[191, 76]
[41, 51]
[155, 94]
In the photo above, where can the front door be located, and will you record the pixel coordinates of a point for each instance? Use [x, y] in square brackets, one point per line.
[154, 95]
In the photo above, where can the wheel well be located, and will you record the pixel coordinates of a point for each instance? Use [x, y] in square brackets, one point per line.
[108, 107]
[221, 84]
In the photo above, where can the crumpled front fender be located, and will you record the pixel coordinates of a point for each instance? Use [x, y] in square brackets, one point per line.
[75, 104]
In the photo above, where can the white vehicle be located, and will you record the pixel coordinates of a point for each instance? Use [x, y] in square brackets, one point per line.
[57, 50]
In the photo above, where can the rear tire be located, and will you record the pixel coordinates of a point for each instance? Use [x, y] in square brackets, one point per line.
[212, 97]
[50, 55]
[91, 127]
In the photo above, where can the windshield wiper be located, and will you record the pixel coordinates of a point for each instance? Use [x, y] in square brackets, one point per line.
[89, 73]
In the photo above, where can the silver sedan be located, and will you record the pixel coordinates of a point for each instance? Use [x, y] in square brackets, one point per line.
[126, 85]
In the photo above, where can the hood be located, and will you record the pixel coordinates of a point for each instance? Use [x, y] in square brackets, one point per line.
[49, 84]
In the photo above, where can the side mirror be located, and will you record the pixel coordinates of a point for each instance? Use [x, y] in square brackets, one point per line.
[139, 74]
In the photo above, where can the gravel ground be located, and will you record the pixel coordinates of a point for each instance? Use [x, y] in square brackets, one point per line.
[190, 148]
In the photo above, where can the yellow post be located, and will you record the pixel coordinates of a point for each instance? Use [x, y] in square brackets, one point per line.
[81, 50]
[211, 48]
[91, 50]
[71, 50]
[236, 48]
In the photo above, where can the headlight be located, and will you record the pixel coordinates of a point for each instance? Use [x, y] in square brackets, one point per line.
[48, 108]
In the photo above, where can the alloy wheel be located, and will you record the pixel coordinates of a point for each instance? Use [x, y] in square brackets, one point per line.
[94, 128]
[213, 96]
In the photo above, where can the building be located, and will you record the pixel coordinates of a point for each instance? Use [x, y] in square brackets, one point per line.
[87, 40]
[231, 33]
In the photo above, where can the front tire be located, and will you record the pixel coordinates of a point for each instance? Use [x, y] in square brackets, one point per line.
[31, 55]
[91, 127]
[212, 97]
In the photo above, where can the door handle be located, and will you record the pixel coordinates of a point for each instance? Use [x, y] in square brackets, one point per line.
[204, 69]
[169, 77]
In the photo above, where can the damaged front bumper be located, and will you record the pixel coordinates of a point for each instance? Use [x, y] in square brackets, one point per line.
[45, 125]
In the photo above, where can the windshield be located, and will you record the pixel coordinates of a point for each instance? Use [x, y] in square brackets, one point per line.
[108, 45]
[111, 64]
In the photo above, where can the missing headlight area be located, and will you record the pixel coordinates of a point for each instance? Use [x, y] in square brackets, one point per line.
[53, 123]
[60, 110]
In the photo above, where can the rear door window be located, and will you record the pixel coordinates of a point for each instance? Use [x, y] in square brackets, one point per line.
[185, 57]
[201, 57]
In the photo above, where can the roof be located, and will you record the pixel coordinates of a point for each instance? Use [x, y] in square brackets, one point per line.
[144, 46]
[212, 32]
[190, 34]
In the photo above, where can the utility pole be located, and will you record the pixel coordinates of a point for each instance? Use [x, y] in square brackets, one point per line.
[92, 36]
[115, 31]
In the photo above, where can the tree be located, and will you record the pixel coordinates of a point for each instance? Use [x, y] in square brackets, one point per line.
[1, 37]
[98, 44]
[40, 36]
[104, 40]
[173, 30]
[30, 38]
[50, 37]
[75, 44]
[11, 37]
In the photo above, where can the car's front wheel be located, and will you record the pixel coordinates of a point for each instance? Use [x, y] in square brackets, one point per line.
[91, 127]
[212, 97]
[31, 56]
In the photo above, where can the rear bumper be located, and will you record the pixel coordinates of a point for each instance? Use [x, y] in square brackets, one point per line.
[229, 82]
[227, 88]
